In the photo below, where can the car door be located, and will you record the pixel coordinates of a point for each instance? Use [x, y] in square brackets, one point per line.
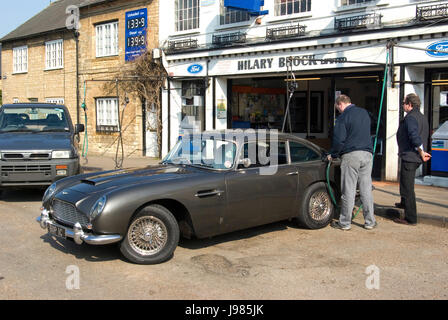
[307, 162]
[260, 194]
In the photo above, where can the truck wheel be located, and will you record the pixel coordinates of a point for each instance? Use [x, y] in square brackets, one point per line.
[152, 236]
[317, 210]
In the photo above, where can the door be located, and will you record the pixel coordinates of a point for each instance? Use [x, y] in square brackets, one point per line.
[261, 193]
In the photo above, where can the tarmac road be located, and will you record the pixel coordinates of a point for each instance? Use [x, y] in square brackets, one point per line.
[278, 261]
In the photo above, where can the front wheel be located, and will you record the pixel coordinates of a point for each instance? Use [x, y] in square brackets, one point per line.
[317, 210]
[152, 236]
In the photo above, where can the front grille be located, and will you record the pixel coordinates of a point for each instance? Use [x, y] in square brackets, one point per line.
[26, 169]
[68, 214]
[26, 156]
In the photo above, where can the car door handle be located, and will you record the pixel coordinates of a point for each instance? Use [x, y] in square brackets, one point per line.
[208, 193]
[295, 173]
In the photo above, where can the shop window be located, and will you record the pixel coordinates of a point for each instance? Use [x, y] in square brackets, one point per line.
[307, 116]
[20, 59]
[300, 153]
[107, 39]
[285, 7]
[187, 14]
[54, 54]
[193, 108]
[257, 107]
[440, 99]
[229, 15]
[107, 115]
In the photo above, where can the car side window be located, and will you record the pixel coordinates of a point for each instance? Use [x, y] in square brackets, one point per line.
[301, 153]
[260, 153]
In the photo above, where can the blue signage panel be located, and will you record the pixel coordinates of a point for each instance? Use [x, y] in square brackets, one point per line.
[252, 6]
[136, 26]
[440, 46]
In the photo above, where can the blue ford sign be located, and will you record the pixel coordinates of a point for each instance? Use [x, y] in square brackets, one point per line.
[195, 68]
[441, 46]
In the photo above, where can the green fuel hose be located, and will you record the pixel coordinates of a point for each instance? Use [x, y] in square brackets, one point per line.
[330, 189]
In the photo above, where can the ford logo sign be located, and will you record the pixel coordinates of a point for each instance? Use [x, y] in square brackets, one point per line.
[441, 46]
[195, 68]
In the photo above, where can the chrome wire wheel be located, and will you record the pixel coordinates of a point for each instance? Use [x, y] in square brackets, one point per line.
[320, 206]
[147, 235]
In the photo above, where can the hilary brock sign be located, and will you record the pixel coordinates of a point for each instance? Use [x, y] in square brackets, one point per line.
[282, 62]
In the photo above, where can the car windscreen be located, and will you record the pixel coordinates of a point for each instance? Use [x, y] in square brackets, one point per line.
[208, 153]
[33, 119]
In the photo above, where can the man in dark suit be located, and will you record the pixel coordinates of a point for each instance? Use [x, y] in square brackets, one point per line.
[412, 138]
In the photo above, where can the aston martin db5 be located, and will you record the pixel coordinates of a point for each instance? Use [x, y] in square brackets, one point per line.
[208, 184]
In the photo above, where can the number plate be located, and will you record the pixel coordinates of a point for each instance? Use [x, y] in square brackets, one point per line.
[56, 231]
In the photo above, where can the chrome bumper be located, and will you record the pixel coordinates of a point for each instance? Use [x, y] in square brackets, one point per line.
[78, 235]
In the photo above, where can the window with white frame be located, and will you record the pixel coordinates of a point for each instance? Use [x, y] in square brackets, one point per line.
[285, 7]
[107, 39]
[55, 100]
[187, 14]
[54, 54]
[229, 15]
[107, 114]
[20, 59]
[349, 2]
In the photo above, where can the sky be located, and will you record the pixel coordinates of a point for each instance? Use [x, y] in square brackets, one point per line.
[15, 12]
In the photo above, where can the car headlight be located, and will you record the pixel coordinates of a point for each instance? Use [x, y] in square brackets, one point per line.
[61, 154]
[97, 208]
[49, 192]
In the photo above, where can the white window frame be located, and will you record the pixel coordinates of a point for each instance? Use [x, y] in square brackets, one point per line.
[185, 18]
[290, 4]
[59, 101]
[107, 114]
[107, 39]
[20, 59]
[54, 54]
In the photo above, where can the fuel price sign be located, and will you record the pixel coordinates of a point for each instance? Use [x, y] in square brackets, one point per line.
[136, 26]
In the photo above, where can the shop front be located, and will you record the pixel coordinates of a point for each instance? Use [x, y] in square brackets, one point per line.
[251, 90]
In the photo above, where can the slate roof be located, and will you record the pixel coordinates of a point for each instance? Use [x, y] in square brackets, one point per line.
[50, 19]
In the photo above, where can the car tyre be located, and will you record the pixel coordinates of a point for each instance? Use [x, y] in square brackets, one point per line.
[152, 236]
[317, 209]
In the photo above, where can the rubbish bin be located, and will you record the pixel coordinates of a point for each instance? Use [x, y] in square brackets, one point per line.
[439, 160]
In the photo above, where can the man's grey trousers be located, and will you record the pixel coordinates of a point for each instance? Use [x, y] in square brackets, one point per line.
[356, 169]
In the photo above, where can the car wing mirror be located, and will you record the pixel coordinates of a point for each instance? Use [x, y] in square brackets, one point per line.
[79, 128]
[246, 163]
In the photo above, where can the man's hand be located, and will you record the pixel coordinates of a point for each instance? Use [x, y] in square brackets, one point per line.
[424, 155]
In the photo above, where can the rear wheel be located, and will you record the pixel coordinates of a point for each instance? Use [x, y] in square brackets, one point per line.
[317, 210]
[152, 236]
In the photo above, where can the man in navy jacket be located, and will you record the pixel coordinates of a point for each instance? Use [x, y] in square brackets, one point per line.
[353, 143]
[412, 138]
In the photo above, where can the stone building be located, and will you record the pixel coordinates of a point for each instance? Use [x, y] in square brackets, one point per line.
[106, 46]
[71, 53]
[39, 59]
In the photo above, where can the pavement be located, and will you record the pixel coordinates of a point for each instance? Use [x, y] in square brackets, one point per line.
[432, 202]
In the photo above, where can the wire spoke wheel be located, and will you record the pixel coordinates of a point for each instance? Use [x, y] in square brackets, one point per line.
[320, 206]
[147, 235]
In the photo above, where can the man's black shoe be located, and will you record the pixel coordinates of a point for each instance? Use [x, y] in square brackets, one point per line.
[399, 205]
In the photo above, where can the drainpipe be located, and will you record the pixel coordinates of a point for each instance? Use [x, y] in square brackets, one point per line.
[76, 34]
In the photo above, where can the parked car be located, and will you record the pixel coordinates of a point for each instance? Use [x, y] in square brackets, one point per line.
[208, 185]
[37, 145]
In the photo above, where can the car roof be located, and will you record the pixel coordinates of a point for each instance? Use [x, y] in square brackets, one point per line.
[240, 133]
[33, 104]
